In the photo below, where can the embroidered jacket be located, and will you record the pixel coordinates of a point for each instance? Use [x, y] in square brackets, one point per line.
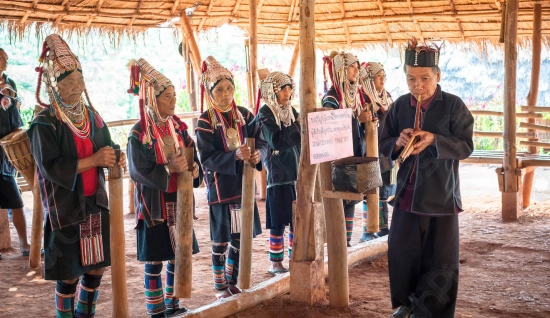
[55, 153]
[151, 179]
[223, 171]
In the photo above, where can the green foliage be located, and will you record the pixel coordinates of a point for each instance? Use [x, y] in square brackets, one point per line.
[27, 115]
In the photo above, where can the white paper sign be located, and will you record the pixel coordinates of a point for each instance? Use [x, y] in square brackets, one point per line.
[330, 135]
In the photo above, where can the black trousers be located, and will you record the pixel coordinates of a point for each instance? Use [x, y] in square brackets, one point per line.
[423, 261]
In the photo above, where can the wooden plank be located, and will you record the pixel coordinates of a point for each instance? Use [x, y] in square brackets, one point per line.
[540, 109]
[476, 112]
[330, 194]
[535, 127]
[535, 143]
[498, 134]
[132, 121]
[294, 59]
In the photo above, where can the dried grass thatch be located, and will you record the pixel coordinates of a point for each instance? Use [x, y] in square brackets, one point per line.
[339, 23]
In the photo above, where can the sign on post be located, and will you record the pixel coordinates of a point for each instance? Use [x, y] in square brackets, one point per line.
[330, 135]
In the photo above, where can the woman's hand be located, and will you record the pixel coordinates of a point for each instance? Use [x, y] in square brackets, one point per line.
[122, 161]
[104, 157]
[365, 116]
[195, 170]
[177, 164]
[243, 153]
[255, 157]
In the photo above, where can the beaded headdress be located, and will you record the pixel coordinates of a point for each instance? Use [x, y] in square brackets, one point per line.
[381, 99]
[269, 87]
[337, 65]
[417, 55]
[231, 130]
[148, 83]
[57, 61]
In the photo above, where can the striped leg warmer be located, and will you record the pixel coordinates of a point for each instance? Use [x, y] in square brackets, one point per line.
[218, 265]
[290, 239]
[276, 245]
[87, 296]
[364, 219]
[349, 212]
[170, 301]
[383, 214]
[64, 299]
[154, 296]
[232, 264]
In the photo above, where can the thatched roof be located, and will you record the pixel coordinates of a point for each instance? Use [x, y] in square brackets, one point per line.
[338, 22]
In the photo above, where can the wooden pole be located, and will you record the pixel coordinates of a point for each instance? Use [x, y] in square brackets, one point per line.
[338, 284]
[372, 199]
[118, 244]
[251, 93]
[511, 201]
[533, 93]
[193, 95]
[187, 31]
[37, 223]
[294, 59]
[131, 188]
[183, 272]
[308, 101]
[253, 34]
[247, 220]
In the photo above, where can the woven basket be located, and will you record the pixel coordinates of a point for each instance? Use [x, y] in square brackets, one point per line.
[356, 174]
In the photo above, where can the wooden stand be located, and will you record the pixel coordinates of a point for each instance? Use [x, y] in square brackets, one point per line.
[336, 243]
[5, 238]
[311, 288]
[118, 245]
[37, 224]
[372, 199]
[183, 272]
[247, 220]
[131, 188]
[532, 97]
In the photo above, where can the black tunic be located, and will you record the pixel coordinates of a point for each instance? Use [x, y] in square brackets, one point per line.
[62, 194]
[281, 162]
[151, 182]
[224, 172]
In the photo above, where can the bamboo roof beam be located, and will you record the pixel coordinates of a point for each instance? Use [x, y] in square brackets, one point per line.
[260, 4]
[388, 33]
[236, 8]
[418, 30]
[25, 17]
[99, 4]
[175, 7]
[207, 13]
[57, 20]
[89, 22]
[289, 20]
[453, 10]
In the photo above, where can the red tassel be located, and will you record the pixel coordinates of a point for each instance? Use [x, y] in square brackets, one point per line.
[183, 126]
[258, 102]
[202, 95]
[141, 119]
[38, 86]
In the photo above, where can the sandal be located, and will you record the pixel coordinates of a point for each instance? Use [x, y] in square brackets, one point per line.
[275, 272]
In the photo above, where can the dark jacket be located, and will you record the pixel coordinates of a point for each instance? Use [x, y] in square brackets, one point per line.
[10, 120]
[437, 185]
[55, 153]
[224, 174]
[152, 178]
[284, 145]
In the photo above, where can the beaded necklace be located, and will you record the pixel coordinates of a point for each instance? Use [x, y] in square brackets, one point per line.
[79, 125]
[231, 129]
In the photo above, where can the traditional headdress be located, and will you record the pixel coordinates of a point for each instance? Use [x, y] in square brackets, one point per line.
[426, 55]
[231, 130]
[367, 73]
[162, 133]
[269, 87]
[348, 93]
[57, 61]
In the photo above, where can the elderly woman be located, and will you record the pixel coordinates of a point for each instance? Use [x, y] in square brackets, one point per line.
[345, 93]
[280, 128]
[220, 138]
[153, 145]
[71, 145]
[373, 77]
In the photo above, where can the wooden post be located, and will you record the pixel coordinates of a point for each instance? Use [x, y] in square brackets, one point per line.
[372, 199]
[253, 34]
[294, 59]
[511, 203]
[5, 238]
[37, 224]
[183, 272]
[251, 93]
[247, 220]
[308, 100]
[338, 285]
[193, 96]
[532, 96]
[131, 188]
[187, 31]
[118, 245]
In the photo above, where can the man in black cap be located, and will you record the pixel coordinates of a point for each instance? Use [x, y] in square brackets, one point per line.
[423, 245]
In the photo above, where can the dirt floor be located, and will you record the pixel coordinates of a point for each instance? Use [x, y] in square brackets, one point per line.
[505, 267]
